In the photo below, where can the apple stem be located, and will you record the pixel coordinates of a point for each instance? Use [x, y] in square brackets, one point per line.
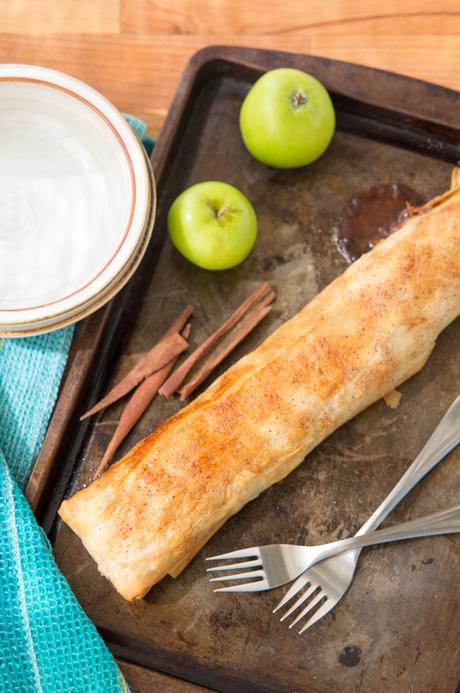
[223, 211]
[298, 98]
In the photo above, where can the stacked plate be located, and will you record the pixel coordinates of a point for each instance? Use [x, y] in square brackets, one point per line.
[77, 200]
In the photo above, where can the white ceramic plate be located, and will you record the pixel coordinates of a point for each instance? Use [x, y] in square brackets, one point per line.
[74, 195]
[51, 324]
[87, 309]
[48, 324]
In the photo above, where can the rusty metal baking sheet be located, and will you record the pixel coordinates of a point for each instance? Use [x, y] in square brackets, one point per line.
[398, 628]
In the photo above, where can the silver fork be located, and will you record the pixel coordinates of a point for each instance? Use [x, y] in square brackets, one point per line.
[329, 580]
[278, 564]
[443, 440]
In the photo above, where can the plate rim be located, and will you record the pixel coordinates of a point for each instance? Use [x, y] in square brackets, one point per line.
[86, 309]
[141, 190]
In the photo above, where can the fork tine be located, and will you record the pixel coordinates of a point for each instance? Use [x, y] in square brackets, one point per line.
[232, 566]
[322, 611]
[292, 591]
[313, 587]
[256, 586]
[238, 576]
[309, 607]
[253, 551]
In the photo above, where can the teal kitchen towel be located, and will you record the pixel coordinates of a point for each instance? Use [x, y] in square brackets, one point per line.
[46, 641]
[47, 644]
[30, 374]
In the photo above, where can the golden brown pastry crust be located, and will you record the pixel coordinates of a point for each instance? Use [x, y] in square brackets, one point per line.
[360, 338]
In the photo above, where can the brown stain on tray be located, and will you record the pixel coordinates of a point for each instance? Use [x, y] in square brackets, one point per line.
[372, 215]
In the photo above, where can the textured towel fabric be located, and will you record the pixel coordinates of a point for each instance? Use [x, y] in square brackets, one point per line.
[47, 644]
[46, 641]
[30, 373]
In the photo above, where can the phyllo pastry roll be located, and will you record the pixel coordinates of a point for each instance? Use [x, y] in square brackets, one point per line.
[365, 334]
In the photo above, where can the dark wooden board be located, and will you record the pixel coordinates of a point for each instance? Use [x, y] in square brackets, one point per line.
[143, 680]
[398, 627]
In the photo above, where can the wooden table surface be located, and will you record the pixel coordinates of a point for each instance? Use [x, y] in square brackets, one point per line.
[134, 50]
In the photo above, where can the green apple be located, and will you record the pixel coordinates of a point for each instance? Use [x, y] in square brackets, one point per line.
[213, 225]
[287, 118]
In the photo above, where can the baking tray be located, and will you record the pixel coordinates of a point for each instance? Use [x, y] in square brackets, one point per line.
[397, 628]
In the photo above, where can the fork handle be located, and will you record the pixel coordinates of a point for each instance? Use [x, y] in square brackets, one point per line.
[444, 438]
[443, 522]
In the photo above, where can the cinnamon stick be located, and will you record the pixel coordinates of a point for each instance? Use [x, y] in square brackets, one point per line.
[137, 405]
[168, 348]
[226, 346]
[177, 378]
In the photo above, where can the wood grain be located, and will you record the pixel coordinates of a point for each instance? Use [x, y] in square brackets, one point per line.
[275, 17]
[63, 17]
[134, 50]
